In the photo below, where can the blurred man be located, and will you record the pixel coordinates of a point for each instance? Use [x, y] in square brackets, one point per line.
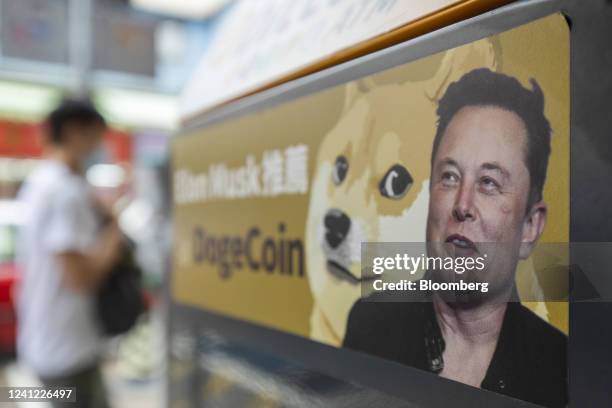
[65, 254]
[488, 167]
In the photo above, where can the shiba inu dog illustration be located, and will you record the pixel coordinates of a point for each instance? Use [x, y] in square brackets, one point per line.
[371, 181]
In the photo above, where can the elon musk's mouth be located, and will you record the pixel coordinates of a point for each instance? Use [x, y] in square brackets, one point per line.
[460, 242]
[340, 272]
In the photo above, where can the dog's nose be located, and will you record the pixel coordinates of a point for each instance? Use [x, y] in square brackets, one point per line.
[337, 225]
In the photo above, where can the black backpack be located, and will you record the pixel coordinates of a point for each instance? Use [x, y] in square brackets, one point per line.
[120, 300]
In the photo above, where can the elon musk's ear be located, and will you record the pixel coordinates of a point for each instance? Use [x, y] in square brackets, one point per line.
[457, 62]
[533, 227]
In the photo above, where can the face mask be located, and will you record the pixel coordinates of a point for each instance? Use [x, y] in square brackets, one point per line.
[94, 157]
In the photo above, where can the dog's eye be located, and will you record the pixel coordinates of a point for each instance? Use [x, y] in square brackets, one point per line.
[340, 170]
[396, 183]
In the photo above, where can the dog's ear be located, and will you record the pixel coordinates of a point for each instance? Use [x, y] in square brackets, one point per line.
[459, 61]
[354, 89]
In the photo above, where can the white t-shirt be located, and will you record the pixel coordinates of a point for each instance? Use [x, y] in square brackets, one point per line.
[57, 327]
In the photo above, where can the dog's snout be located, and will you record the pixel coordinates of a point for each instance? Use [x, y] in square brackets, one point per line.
[337, 225]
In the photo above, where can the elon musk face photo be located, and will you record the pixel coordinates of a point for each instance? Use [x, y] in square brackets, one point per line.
[488, 168]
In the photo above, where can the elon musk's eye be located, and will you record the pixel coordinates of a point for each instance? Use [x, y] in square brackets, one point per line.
[340, 170]
[396, 182]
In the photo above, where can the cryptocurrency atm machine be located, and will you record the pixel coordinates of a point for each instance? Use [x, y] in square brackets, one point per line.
[306, 137]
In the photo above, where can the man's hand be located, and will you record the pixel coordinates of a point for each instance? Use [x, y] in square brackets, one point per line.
[87, 271]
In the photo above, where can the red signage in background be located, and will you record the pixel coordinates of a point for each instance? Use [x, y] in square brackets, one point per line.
[26, 140]
[119, 146]
[20, 140]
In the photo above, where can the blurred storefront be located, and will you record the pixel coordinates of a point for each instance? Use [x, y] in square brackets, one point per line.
[131, 60]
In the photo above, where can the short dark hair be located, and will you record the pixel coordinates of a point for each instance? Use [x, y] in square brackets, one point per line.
[72, 111]
[483, 87]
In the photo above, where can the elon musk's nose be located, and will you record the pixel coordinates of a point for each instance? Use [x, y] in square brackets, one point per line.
[337, 225]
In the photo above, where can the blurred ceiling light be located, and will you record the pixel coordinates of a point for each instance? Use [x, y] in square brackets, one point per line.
[105, 175]
[143, 110]
[29, 102]
[191, 9]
